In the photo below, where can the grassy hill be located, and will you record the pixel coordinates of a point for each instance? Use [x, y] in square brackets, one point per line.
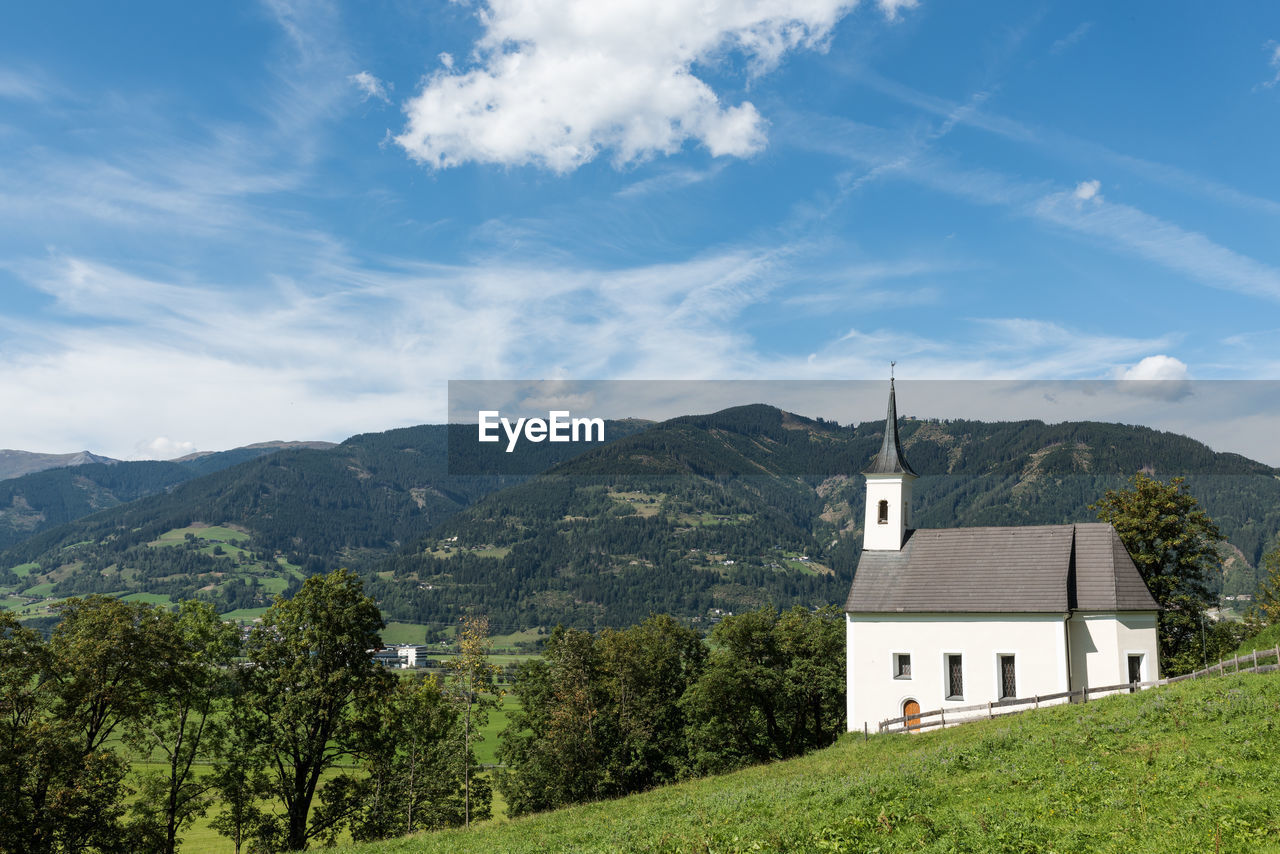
[1191, 767]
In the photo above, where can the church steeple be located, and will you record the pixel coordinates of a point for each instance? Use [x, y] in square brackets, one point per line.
[890, 460]
[888, 488]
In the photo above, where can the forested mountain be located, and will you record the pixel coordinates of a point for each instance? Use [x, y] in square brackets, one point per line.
[753, 505]
[727, 511]
[286, 514]
[80, 484]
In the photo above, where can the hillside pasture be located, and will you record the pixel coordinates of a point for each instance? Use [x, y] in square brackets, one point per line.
[1190, 767]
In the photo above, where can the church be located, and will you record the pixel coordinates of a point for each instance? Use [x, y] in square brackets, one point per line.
[949, 617]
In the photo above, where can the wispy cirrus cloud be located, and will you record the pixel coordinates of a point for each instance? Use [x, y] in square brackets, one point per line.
[1157, 240]
[371, 87]
[1082, 210]
[975, 113]
[1071, 38]
[1273, 48]
[21, 86]
[356, 348]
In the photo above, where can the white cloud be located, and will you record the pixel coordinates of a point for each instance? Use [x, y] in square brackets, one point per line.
[556, 82]
[1159, 377]
[892, 8]
[1087, 190]
[371, 87]
[164, 448]
[1160, 368]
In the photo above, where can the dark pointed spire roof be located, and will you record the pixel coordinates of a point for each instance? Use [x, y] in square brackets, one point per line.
[890, 459]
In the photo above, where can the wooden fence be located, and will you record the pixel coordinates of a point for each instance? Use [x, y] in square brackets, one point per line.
[1251, 663]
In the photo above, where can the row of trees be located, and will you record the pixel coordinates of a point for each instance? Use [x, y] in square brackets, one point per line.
[275, 715]
[309, 739]
[608, 714]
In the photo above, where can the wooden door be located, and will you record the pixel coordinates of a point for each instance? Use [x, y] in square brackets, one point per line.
[909, 710]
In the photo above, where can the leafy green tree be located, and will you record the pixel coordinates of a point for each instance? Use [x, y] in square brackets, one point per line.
[62, 788]
[600, 716]
[556, 744]
[473, 683]
[24, 702]
[411, 778]
[310, 668]
[1173, 542]
[239, 778]
[645, 671]
[189, 697]
[773, 688]
[1267, 606]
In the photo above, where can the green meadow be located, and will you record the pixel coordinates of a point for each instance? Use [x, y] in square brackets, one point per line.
[1192, 767]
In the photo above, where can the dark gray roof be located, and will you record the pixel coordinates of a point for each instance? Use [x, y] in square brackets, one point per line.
[1033, 569]
[890, 459]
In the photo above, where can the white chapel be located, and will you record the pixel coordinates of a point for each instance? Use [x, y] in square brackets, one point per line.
[951, 617]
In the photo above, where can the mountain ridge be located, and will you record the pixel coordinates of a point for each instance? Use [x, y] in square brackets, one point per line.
[702, 513]
[15, 463]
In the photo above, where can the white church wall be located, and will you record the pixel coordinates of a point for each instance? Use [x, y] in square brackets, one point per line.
[1038, 644]
[895, 490]
[1101, 644]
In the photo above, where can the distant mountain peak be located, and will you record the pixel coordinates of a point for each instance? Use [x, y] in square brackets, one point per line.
[14, 463]
[275, 444]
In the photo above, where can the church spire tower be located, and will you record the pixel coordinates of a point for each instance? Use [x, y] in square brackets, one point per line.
[889, 479]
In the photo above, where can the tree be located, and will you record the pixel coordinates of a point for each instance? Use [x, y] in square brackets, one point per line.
[1267, 606]
[1173, 542]
[24, 700]
[239, 778]
[310, 668]
[644, 672]
[474, 686]
[773, 688]
[190, 695]
[62, 788]
[556, 743]
[411, 778]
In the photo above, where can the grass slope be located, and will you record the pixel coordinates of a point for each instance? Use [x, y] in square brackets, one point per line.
[1190, 767]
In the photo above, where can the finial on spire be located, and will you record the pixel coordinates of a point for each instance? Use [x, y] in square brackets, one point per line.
[891, 366]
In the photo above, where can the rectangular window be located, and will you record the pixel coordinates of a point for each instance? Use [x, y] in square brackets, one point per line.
[955, 678]
[1008, 683]
[902, 665]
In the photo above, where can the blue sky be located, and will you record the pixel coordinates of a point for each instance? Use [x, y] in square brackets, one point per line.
[225, 223]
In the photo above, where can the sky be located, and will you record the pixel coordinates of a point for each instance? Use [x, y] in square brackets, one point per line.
[237, 222]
